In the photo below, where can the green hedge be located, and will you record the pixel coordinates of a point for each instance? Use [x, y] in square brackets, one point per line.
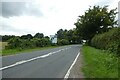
[63, 42]
[108, 41]
[27, 43]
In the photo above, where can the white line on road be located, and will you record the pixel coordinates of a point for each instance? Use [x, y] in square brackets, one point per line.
[25, 61]
[68, 72]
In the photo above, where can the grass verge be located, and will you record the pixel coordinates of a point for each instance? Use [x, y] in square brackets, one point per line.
[17, 51]
[99, 64]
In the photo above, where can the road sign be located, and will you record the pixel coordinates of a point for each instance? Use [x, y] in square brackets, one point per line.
[53, 38]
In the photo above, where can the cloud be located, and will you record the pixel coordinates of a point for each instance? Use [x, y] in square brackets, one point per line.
[10, 9]
[20, 17]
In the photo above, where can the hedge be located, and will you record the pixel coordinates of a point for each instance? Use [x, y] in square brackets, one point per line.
[63, 42]
[27, 43]
[108, 41]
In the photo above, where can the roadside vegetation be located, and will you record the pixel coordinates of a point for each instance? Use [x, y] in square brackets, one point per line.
[12, 44]
[17, 51]
[99, 63]
[98, 27]
[109, 41]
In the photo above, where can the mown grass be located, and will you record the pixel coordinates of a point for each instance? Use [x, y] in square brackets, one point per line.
[17, 51]
[99, 64]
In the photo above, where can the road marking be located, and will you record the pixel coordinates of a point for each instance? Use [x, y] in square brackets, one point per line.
[68, 72]
[25, 61]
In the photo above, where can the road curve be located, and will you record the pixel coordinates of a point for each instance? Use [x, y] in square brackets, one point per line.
[50, 63]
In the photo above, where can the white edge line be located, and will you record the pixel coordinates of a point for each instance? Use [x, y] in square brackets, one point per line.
[25, 61]
[68, 72]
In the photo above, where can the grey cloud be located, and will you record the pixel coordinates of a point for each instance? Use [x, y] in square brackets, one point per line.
[8, 28]
[20, 8]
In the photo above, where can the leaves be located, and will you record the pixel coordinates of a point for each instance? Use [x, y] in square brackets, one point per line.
[90, 23]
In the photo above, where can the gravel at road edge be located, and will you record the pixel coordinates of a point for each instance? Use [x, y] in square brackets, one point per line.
[76, 71]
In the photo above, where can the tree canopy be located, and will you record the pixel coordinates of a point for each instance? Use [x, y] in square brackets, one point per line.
[95, 20]
[39, 35]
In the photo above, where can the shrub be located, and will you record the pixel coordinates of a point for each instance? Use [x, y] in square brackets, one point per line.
[63, 42]
[108, 41]
[27, 43]
[14, 43]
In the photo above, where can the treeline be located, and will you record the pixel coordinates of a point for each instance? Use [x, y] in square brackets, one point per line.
[66, 37]
[26, 41]
[28, 36]
[99, 28]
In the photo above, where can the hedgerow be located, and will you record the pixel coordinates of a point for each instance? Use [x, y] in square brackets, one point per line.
[20, 44]
[108, 41]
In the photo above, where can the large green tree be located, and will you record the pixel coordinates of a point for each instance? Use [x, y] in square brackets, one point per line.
[39, 35]
[95, 20]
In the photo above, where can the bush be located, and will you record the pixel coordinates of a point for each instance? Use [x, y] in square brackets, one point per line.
[27, 43]
[63, 42]
[108, 41]
[14, 43]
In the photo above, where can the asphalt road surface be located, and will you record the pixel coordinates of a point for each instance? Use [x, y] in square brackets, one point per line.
[50, 63]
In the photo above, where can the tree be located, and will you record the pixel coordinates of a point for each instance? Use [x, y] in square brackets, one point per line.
[46, 37]
[60, 34]
[69, 35]
[7, 37]
[39, 35]
[95, 20]
[28, 36]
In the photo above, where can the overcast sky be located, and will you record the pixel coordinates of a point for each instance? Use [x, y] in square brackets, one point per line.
[44, 16]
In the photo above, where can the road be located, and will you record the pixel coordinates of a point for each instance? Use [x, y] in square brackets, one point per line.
[50, 63]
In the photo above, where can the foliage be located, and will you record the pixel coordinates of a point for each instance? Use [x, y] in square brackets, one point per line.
[63, 42]
[69, 35]
[39, 35]
[99, 64]
[7, 37]
[108, 41]
[16, 42]
[28, 36]
[95, 20]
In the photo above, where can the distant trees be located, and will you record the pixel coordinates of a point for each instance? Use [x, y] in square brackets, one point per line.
[7, 37]
[63, 42]
[39, 35]
[28, 36]
[69, 36]
[94, 21]
[26, 41]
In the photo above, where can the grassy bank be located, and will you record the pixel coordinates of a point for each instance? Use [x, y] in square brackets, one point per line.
[17, 51]
[99, 64]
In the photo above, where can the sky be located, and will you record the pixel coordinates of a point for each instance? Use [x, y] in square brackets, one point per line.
[43, 16]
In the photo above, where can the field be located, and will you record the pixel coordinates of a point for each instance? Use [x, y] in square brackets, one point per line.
[3, 44]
